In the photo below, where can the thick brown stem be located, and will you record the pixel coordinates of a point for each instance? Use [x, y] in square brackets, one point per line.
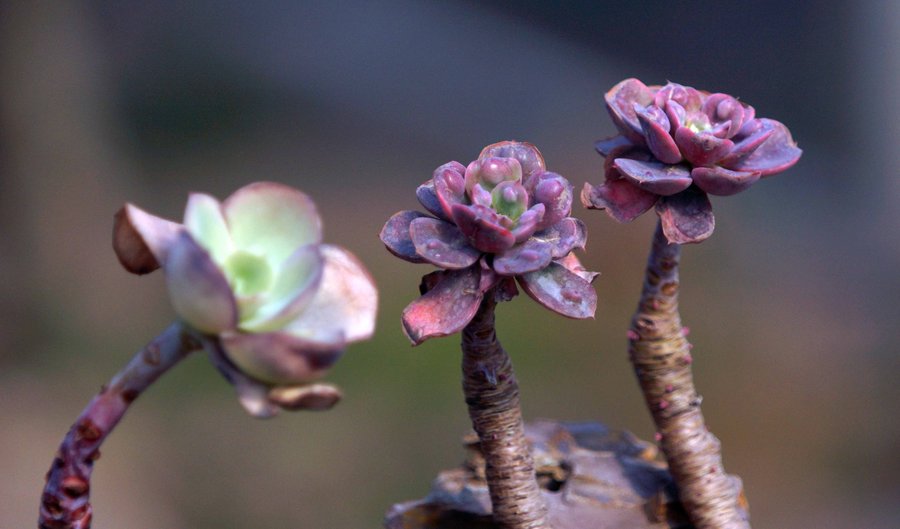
[661, 356]
[65, 503]
[492, 394]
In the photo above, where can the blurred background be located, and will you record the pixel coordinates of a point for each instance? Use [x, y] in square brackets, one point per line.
[793, 303]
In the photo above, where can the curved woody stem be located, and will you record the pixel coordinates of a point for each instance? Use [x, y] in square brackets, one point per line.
[492, 394]
[65, 503]
[661, 356]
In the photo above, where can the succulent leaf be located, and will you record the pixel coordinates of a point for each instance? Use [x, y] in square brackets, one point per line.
[428, 198]
[198, 290]
[141, 241]
[450, 187]
[555, 193]
[622, 200]
[533, 254]
[686, 217]
[701, 148]
[655, 127]
[271, 219]
[777, 153]
[564, 236]
[293, 286]
[343, 307]
[722, 182]
[655, 177]
[530, 159]
[279, 357]
[620, 101]
[447, 306]
[203, 219]
[561, 291]
[396, 237]
[483, 228]
[442, 243]
[528, 223]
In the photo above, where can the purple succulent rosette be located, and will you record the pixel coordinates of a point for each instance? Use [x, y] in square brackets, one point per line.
[676, 146]
[502, 219]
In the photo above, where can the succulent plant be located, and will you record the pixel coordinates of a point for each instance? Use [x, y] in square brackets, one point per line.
[501, 219]
[253, 272]
[252, 284]
[677, 144]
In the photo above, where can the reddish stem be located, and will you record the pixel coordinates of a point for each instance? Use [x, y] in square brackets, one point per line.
[662, 359]
[492, 394]
[65, 503]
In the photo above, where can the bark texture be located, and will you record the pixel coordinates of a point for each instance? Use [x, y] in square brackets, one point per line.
[65, 503]
[492, 394]
[661, 356]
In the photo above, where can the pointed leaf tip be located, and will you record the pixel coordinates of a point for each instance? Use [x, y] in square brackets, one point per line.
[397, 239]
[141, 241]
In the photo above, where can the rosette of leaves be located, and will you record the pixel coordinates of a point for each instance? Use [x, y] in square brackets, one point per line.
[252, 274]
[500, 220]
[676, 145]
[252, 284]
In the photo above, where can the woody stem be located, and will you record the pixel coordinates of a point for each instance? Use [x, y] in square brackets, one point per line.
[661, 356]
[65, 503]
[492, 394]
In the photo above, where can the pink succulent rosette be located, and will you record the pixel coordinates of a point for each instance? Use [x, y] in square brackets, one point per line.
[676, 146]
[252, 275]
[501, 220]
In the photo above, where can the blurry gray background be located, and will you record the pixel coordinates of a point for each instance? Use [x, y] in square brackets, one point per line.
[793, 303]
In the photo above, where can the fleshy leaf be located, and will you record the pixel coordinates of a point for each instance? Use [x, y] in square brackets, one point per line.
[701, 148]
[203, 219]
[344, 306]
[450, 187]
[610, 145]
[676, 114]
[655, 177]
[529, 157]
[622, 200]
[528, 222]
[573, 264]
[198, 290]
[529, 256]
[311, 397]
[561, 291]
[555, 193]
[279, 357]
[620, 101]
[686, 217]
[564, 236]
[446, 308]
[252, 394]
[293, 288]
[141, 240]
[777, 153]
[442, 243]
[686, 97]
[428, 198]
[747, 145]
[723, 107]
[510, 199]
[655, 127]
[491, 172]
[396, 238]
[722, 182]
[482, 227]
[271, 220]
